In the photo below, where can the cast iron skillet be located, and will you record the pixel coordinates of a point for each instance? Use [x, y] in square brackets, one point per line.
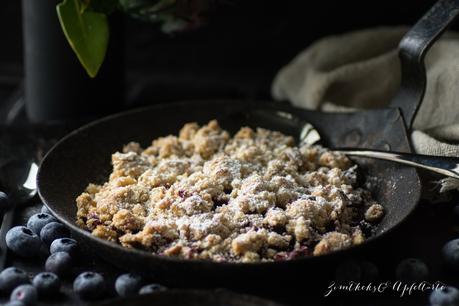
[84, 156]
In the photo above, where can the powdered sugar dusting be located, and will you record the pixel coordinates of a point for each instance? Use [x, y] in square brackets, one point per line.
[251, 197]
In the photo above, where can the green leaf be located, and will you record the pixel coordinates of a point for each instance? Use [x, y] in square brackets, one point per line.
[87, 33]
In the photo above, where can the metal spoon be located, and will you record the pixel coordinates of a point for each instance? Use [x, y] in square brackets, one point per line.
[448, 166]
[18, 180]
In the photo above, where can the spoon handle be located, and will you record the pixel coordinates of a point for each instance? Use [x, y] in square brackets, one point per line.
[413, 48]
[7, 223]
[448, 166]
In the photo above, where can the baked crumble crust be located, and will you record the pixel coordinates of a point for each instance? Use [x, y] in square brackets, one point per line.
[251, 197]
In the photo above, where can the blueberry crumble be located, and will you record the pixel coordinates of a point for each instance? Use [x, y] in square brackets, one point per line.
[252, 197]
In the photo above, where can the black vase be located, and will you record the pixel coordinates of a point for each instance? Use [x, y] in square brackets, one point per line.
[57, 87]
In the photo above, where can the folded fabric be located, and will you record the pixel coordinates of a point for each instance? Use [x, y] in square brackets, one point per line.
[361, 70]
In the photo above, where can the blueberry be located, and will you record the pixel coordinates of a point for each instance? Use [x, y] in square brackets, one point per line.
[27, 294]
[68, 245]
[12, 277]
[23, 241]
[370, 271]
[44, 209]
[147, 289]
[446, 296]
[38, 221]
[47, 283]
[450, 253]
[412, 270]
[128, 284]
[89, 285]
[53, 231]
[59, 263]
[348, 271]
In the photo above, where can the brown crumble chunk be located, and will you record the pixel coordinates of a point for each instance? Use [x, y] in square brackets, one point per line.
[374, 213]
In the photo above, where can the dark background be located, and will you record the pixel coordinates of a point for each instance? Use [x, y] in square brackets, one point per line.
[236, 55]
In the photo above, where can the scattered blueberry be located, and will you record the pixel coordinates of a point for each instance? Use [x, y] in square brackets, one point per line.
[47, 283]
[23, 241]
[27, 294]
[89, 285]
[128, 284]
[370, 271]
[44, 209]
[59, 263]
[12, 277]
[38, 221]
[348, 270]
[447, 296]
[351, 270]
[4, 202]
[412, 269]
[147, 289]
[68, 245]
[450, 253]
[53, 231]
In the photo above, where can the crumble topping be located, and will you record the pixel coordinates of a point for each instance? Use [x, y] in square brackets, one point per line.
[255, 196]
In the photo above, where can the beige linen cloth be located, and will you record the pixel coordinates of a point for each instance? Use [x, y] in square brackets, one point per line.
[360, 70]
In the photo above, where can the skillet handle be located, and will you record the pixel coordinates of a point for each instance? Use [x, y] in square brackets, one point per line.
[412, 50]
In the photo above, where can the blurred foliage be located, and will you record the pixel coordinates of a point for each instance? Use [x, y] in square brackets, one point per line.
[85, 23]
